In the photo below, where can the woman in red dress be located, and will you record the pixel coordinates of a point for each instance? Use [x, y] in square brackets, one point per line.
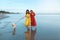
[33, 21]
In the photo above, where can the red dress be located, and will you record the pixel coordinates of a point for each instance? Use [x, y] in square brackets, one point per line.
[33, 21]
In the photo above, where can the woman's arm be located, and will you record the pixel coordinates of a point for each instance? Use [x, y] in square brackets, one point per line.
[22, 17]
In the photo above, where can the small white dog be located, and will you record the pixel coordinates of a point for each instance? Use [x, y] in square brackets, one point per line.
[14, 25]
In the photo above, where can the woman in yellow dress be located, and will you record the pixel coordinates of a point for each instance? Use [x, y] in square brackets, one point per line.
[27, 22]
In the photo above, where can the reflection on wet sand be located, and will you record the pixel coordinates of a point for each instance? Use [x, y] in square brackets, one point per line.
[27, 35]
[14, 31]
[33, 32]
[30, 35]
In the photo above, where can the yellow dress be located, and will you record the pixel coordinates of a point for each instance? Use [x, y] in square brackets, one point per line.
[27, 22]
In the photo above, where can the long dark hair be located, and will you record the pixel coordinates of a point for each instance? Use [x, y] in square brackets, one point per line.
[27, 11]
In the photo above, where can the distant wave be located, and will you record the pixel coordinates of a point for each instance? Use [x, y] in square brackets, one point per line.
[3, 17]
[48, 13]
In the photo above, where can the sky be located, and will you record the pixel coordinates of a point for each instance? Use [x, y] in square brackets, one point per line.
[39, 6]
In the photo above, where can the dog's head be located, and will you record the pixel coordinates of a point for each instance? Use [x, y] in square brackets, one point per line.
[14, 25]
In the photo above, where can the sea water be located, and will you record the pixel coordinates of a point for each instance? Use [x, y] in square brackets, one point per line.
[48, 27]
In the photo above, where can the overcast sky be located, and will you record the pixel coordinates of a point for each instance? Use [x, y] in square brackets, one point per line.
[42, 6]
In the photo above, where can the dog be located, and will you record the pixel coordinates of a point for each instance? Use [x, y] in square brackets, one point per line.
[14, 25]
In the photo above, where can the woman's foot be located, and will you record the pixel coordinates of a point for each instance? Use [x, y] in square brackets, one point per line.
[33, 28]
